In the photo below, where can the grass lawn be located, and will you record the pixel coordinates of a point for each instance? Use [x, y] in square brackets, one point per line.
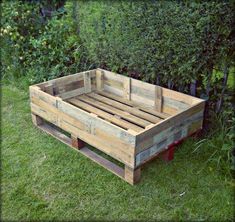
[44, 179]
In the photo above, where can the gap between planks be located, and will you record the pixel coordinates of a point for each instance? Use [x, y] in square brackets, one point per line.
[132, 110]
[85, 151]
[123, 114]
[134, 104]
[107, 116]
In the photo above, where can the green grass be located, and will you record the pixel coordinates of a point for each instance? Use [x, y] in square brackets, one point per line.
[42, 179]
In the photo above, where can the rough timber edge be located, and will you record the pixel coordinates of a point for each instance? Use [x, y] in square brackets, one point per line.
[58, 100]
[131, 176]
[194, 101]
[168, 92]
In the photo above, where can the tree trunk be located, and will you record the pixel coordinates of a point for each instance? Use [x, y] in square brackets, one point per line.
[219, 103]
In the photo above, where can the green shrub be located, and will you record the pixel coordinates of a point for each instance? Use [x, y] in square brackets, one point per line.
[19, 22]
[35, 49]
[56, 52]
[174, 44]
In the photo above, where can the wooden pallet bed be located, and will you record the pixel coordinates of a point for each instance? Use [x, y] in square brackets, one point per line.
[130, 120]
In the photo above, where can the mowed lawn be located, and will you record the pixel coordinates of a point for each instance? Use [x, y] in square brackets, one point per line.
[43, 179]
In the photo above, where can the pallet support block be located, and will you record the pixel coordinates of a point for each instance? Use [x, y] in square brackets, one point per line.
[77, 143]
[37, 120]
[132, 176]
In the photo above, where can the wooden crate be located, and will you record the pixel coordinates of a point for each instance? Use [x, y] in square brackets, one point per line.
[130, 120]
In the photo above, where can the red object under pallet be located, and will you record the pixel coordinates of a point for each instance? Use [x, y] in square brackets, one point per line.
[168, 155]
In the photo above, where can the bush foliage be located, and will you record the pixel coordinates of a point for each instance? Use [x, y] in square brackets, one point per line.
[176, 45]
[36, 48]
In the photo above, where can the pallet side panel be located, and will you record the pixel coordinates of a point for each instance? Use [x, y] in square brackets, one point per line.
[159, 137]
[71, 85]
[108, 138]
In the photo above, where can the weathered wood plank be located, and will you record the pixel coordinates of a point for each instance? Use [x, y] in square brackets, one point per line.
[99, 80]
[113, 141]
[49, 89]
[113, 110]
[134, 104]
[87, 82]
[37, 92]
[132, 176]
[125, 107]
[122, 123]
[148, 135]
[158, 98]
[62, 81]
[127, 88]
[72, 93]
[161, 141]
[113, 83]
[113, 90]
[121, 153]
[93, 122]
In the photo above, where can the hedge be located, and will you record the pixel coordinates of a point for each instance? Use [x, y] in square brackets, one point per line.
[179, 45]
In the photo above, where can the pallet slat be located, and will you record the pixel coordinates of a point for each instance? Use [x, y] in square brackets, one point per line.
[113, 110]
[79, 103]
[134, 104]
[124, 107]
[72, 93]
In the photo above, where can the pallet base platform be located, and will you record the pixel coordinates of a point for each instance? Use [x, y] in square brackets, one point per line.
[132, 176]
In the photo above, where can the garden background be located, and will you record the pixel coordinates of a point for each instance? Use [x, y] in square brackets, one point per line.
[184, 46]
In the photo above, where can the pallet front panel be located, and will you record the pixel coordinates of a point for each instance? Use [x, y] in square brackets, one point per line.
[106, 137]
[157, 139]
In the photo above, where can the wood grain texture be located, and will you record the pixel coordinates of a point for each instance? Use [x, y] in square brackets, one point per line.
[125, 107]
[107, 116]
[134, 104]
[132, 176]
[99, 80]
[127, 88]
[158, 98]
[124, 115]
[87, 82]
[98, 137]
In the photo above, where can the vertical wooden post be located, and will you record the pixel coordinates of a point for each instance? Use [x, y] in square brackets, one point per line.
[49, 89]
[127, 88]
[37, 120]
[158, 98]
[132, 176]
[76, 142]
[87, 82]
[99, 80]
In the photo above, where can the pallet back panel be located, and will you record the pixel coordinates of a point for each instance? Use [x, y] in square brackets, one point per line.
[165, 100]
